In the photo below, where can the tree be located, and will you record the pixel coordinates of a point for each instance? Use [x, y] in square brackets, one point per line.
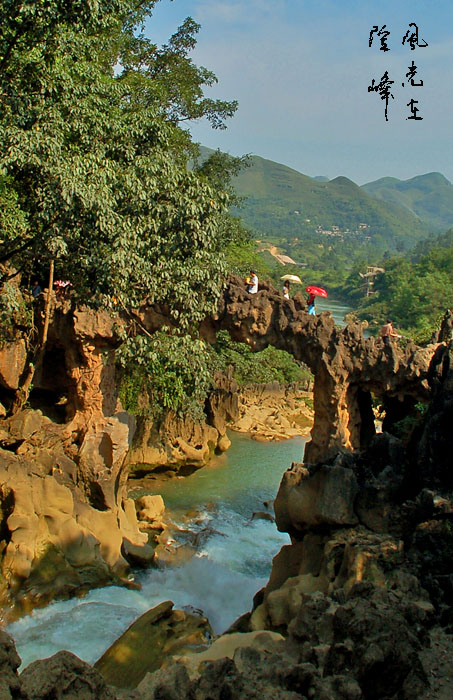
[94, 164]
[96, 159]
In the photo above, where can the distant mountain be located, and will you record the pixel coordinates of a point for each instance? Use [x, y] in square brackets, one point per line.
[321, 178]
[430, 197]
[283, 203]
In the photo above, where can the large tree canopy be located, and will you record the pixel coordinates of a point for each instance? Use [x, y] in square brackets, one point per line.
[93, 162]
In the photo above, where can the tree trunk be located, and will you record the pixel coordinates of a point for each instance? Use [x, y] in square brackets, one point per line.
[23, 391]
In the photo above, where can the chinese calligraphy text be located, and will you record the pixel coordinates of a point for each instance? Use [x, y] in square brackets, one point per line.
[383, 87]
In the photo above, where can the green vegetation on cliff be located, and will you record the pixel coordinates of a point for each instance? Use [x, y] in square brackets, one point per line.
[414, 290]
[269, 365]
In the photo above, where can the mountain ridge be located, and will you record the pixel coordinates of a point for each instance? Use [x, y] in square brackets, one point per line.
[391, 213]
[428, 196]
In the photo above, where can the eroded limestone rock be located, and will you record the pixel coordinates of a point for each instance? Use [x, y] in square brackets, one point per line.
[54, 541]
[176, 442]
[149, 641]
[274, 411]
[346, 366]
[63, 676]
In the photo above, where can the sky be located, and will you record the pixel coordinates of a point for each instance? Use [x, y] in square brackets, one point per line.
[300, 70]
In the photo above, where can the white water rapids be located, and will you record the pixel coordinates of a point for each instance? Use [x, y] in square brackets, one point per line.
[221, 580]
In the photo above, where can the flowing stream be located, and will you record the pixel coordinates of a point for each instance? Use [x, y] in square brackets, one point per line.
[232, 564]
[338, 309]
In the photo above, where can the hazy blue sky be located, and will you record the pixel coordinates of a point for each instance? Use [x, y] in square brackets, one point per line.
[300, 70]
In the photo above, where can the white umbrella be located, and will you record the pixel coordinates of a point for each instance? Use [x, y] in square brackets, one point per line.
[292, 278]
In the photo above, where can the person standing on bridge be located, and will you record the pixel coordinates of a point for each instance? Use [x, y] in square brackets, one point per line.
[252, 286]
[387, 332]
[285, 289]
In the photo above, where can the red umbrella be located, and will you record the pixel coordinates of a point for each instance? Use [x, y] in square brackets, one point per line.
[318, 291]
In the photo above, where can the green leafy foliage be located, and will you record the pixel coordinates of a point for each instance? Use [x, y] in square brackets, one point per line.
[94, 175]
[15, 313]
[95, 159]
[168, 372]
[268, 365]
[413, 293]
[165, 372]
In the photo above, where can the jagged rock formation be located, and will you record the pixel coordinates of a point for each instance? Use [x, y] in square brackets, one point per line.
[369, 566]
[174, 442]
[65, 517]
[382, 516]
[347, 367]
[55, 541]
[356, 593]
[94, 434]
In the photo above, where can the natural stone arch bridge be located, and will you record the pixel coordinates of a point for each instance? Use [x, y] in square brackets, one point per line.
[347, 367]
[64, 482]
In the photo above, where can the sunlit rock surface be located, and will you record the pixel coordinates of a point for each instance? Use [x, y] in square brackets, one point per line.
[369, 567]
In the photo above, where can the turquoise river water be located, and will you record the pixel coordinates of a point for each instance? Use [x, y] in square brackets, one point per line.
[231, 565]
[221, 580]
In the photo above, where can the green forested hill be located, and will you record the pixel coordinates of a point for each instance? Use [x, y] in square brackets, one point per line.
[430, 197]
[285, 204]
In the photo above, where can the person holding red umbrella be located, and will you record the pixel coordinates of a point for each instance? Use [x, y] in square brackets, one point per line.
[313, 293]
[311, 304]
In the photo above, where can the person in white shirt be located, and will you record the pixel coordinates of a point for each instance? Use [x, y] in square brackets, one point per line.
[285, 289]
[252, 287]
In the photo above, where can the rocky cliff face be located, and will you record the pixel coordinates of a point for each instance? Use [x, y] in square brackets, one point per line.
[61, 533]
[174, 442]
[65, 517]
[369, 566]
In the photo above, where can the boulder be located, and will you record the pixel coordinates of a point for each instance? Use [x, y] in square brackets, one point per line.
[224, 443]
[10, 686]
[63, 676]
[150, 640]
[137, 555]
[226, 647]
[150, 508]
[313, 497]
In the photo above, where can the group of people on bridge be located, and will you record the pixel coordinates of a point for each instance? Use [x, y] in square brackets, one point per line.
[252, 288]
[387, 332]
